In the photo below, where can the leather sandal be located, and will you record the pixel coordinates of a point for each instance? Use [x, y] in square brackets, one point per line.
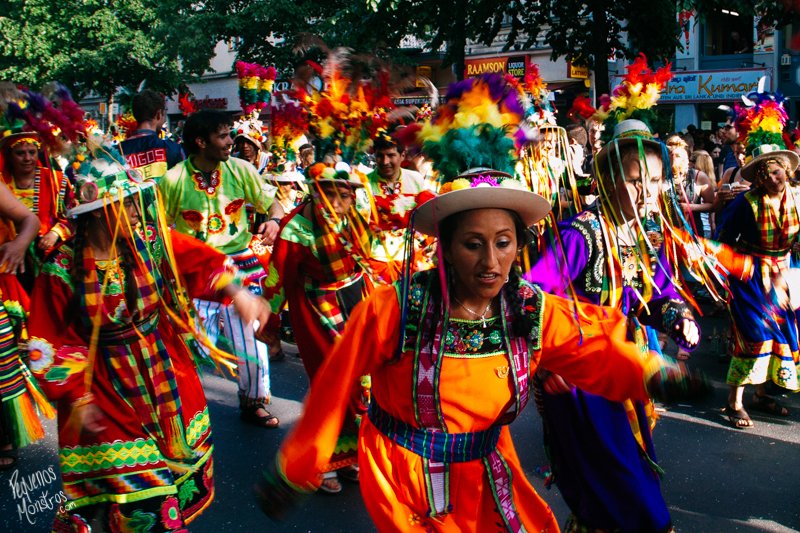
[738, 418]
[251, 416]
[769, 405]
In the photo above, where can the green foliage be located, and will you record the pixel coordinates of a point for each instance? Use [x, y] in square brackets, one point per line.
[100, 45]
[778, 12]
[275, 31]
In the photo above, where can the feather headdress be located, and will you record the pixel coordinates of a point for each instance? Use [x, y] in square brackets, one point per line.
[474, 126]
[255, 86]
[635, 97]
[761, 118]
[50, 120]
[350, 104]
[760, 121]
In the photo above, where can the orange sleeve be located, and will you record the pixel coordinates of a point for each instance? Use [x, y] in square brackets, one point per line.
[592, 351]
[369, 339]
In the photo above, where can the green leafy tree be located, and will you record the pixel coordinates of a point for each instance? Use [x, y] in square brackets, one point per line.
[777, 12]
[590, 32]
[272, 29]
[101, 45]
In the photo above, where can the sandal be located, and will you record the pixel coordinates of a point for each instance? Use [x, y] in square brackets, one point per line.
[769, 405]
[280, 355]
[738, 418]
[349, 473]
[251, 416]
[330, 483]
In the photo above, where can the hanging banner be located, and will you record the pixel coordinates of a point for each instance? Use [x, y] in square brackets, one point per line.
[763, 37]
[687, 20]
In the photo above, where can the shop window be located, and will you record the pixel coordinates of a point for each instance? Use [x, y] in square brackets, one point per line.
[728, 32]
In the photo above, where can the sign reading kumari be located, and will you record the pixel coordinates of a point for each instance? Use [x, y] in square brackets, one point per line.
[710, 85]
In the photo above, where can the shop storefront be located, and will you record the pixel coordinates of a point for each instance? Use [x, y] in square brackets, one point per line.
[702, 98]
[564, 80]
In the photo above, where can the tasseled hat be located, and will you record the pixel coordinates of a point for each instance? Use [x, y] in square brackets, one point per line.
[760, 121]
[104, 177]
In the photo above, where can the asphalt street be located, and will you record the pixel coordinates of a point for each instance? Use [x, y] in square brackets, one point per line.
[717, 479]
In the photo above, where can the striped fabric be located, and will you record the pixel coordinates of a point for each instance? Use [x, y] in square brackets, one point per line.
[12, 380]
[432, 444]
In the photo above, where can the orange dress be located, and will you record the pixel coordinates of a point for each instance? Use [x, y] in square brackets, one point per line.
[474, 392]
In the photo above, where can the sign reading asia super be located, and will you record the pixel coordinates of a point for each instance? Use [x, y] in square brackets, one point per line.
[710, 85]
[515, 65]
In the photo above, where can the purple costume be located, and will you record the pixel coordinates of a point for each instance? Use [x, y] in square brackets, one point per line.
[601, 452]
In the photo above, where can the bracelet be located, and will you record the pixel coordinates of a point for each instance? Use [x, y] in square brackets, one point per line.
[86, 399]
[275, 220]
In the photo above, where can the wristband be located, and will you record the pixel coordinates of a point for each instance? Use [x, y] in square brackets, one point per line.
[86, 399]
[275, 220]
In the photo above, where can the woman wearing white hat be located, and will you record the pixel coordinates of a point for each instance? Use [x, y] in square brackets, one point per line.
[113, 345]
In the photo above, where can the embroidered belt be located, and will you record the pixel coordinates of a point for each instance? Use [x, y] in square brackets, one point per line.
[435, 445]
[763, 253]
[129, 333]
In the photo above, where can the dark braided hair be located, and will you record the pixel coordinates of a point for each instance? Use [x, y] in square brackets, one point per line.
[523, 321]
[78, 273]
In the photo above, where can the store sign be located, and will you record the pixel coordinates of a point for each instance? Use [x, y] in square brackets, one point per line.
[476, 67]
[411, 100]
[580, 72]
[424, 72]
[516, 66]
[281, 85]
[212, 103]
[710, 85]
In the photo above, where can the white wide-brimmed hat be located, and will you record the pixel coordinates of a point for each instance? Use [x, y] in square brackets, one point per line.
[481, 188]
[769, 151]
[106, 182]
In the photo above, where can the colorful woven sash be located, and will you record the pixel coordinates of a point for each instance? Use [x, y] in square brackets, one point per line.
[433, 444]
[128, 333]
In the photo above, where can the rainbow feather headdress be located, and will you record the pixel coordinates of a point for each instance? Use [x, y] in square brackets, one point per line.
[47, 118]
[475, 126]
[634, 98]
[349, 108]
[255, 86]
[289, 126]
[760, 122]
[471, 142]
